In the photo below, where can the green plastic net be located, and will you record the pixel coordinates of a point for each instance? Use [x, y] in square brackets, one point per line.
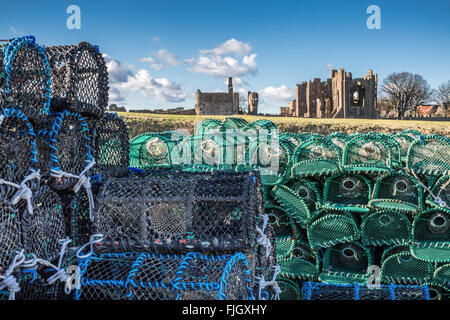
[386, 227]
[430, 155]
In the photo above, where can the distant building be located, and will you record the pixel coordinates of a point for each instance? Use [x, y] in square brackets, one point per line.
[426, 110]
[217, 103]
[253, 99]
[340, 96]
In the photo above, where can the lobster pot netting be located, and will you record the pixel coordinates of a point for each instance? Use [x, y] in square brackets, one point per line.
[280, 221]
[10, 231]
[431, 236]
[348, 192]
[346, 263]
[154, 149]
[296, 260]
[316, 157]
[43, 230]
[386, 227]
[399, 192]
[290, 289]
[25, 77]
[79, 79]
[440, 194]
[151, 276]
[18, 146]
[174, 210]
[112, 146]
[34, 286]
[429, 155]
[65, 148]
[330, 291]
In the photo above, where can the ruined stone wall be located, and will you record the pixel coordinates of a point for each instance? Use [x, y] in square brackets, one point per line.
[253, 99]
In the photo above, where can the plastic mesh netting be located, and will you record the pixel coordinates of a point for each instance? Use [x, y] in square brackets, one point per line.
[79, 79]
[429, 155]
[65, 148]
[290, 289]
[386, 227]
[111, 146]
[25, 77]
[330, 291]
[172, 210]
[150, 276]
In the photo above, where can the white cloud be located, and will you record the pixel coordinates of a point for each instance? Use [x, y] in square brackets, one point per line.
[153, 63]
[230, 46]
[118, 72]
[281, 94]
[115, 95]
[231, 58]
[160, 88]
[168, 57]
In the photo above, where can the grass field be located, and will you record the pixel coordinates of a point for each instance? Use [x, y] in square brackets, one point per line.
[145, 122]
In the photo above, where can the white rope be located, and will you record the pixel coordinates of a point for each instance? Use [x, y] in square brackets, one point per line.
[93, 239]
[437, 199]
[83, 181]
[23, 191]
[262, 238]
[2, 117]
[263, 284]
[8, 281]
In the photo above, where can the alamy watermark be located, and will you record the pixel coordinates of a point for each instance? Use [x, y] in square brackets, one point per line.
[374, 20]
[74, 19]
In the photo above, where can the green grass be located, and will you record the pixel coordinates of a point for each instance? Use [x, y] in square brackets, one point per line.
[145, 122]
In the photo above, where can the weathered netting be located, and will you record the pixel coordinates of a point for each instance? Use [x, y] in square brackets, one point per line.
[111, 146]
[371, 153]
[296, 259]
[339, 139]
[290, 289]
[293, 204]
[431, 236]
[25, 77]
[18, 154]
[175, 210]
[280, 221]
[346, 263]
[152, 276]
[154, 149]
[79, 79]
[316, 157]
[386, 227]
[66, 148]
[399, 266]
[10, 230]
[429, 155]
[333, 227]
[397, 191]
[404, 141]
[439, 196]
[347, 192]
[34, 286]
[76, 211]
[332, 291]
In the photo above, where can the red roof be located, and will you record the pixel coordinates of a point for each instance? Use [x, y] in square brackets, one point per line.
[427, 110]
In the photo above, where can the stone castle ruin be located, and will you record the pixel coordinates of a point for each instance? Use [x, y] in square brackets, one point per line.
[340, 96]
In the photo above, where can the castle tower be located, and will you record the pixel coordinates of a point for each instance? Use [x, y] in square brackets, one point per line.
[230, 86]
[253, 103]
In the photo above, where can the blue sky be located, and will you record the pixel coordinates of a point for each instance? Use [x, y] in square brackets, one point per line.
[160, 52]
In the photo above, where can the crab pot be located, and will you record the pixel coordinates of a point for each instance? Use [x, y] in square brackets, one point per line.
[151, 150]
[65, 147]
[112, 146]
[34, 286]
[331, 291]
[153, 276]
[25, 77]
[346, 262]
[79, 79]
[18, 152]
[400, 266]
[46, 226]
[178, 211]
[431, 236]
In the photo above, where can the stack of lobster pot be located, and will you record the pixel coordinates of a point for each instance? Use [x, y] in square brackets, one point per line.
[31, 219]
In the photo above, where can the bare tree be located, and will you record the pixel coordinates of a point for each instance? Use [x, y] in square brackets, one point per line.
[406, 91]
[443, 96]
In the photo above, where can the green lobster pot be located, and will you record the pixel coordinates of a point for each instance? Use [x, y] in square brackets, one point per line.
[292, 204]
[282, 224]
[441, 276]
[404, 141]
[429, 156]
[290, 289]
[371, 154]
[346, 263]
[339, 139]
[347, 192]
[296, 138]
[399, 266]
[296, 260]
[308, 191]
[207, 126]
[316, 157]
[440, 194]
[232, 123]
[152, 149]
[431, 236]
[331, 228]
[397, 191]
[385, 227]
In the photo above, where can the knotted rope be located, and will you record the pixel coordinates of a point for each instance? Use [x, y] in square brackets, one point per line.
[83, 181]
[262, 238]
[263, 284]
[8, 281]
[437, 199]
[23, 192]
[93, 239]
